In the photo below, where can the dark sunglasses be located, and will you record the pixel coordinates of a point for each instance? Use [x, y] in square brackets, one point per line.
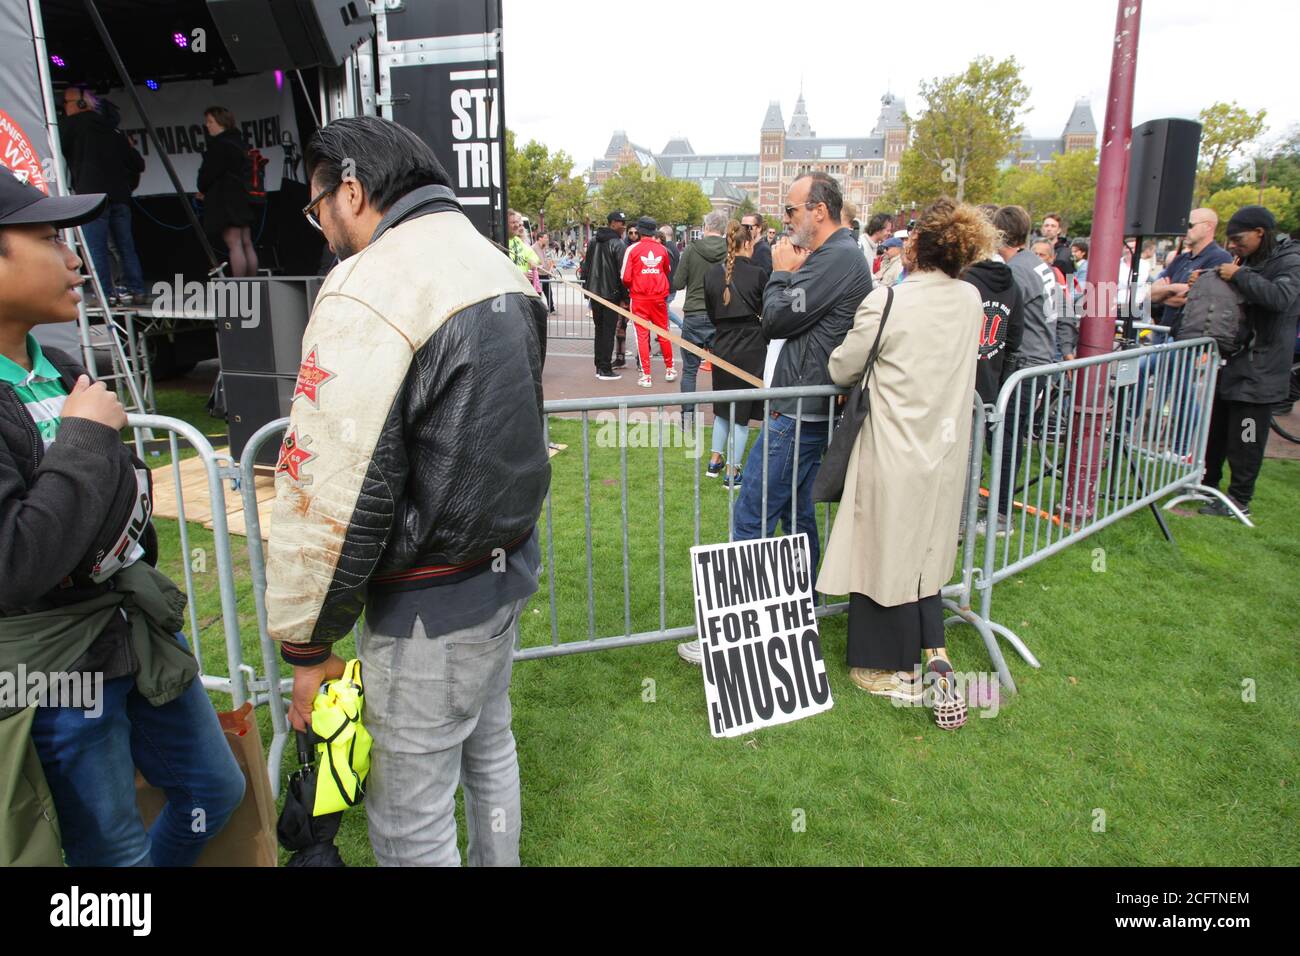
[807, 204]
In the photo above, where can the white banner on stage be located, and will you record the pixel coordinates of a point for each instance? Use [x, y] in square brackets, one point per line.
[263, 109]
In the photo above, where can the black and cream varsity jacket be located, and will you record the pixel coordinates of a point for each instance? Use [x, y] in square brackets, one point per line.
[416, 446]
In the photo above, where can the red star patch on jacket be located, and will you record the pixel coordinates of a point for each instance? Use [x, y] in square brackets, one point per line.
[310, 379]
[292, 456]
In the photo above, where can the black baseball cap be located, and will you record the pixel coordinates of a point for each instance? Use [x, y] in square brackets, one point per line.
[22, 204]
[616, 217]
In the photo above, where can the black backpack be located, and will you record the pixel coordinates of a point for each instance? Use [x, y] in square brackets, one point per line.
[1215, 309]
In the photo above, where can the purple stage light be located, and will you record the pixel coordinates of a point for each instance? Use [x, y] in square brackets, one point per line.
[180, 40]
[57, 60]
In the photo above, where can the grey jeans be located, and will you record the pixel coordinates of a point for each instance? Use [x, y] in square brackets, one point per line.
[439, 710]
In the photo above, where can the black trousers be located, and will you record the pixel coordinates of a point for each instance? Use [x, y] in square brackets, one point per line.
[1014, 442]
[546, 291]
[606, 322]
[891, 638]
[1238, 434]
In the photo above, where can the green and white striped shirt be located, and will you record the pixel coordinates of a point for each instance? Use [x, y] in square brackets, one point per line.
[40, 390]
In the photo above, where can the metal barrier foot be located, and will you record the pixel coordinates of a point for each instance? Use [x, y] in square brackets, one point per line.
[1011, 638]
[274, 759]
[1206, 493]
[967, 616]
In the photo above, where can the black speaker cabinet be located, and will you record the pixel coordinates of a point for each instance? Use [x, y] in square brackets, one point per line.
[1161, 177]
[251, 402]
[265, 35]
[266, 338]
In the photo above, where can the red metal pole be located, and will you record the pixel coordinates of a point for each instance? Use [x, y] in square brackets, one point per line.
[1097, 328]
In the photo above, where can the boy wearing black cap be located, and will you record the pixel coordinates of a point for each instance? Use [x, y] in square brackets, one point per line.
[1267, 275]
[80, 604]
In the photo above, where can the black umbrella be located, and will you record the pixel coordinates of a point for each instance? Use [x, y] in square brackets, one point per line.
[310, 838]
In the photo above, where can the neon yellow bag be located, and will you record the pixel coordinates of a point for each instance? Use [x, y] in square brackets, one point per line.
[343, 752]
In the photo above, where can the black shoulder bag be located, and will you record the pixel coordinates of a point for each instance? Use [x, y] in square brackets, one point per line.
[829, 484]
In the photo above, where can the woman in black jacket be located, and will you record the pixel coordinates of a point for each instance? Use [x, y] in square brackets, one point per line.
[733, 297]
[223, 186]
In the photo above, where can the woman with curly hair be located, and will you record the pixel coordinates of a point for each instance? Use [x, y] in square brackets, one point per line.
[894, 540]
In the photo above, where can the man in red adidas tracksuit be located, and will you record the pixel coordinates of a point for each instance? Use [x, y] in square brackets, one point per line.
[646, 270]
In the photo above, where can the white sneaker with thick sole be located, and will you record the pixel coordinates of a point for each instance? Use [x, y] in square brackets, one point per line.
[645, 381]
[691, 653]
[670, 375]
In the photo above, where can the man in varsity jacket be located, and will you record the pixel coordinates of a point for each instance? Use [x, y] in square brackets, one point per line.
[409, 483]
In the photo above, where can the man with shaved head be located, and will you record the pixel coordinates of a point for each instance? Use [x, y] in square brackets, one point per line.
[1200, 251]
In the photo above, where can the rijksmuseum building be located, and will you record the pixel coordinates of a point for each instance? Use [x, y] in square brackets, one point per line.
[864, 166]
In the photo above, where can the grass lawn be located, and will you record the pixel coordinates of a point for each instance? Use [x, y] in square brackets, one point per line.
[1132, 745]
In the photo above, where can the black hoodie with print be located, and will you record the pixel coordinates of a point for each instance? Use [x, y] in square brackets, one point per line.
[1004, 324]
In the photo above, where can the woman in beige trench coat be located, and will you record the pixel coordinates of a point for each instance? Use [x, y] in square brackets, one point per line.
[894, 540]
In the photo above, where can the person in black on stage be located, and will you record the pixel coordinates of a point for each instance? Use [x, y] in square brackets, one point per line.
[223, 181]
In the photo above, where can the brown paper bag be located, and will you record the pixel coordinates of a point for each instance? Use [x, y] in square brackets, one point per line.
[248, 838]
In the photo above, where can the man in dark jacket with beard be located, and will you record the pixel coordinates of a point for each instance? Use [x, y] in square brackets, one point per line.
[602, 273]
[1267, 275]
[409, 483]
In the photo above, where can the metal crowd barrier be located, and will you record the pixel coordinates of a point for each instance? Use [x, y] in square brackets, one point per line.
[1073, 468]
[572, 316]
[217, 466]
[1152, 429]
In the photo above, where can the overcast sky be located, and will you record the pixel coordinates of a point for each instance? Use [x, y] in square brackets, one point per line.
[575, 70]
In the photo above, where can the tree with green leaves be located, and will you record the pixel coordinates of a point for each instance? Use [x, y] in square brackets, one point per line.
[570, 204]
[1065, 185]
[1226, 129]
[1227, 201]
[688, 205]
[533, 173]
[969, 125]
[643, 191]
[1279, 166]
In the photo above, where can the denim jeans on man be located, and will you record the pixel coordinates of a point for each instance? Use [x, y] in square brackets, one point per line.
[698, 330]
[439, 710]
[90, 765]
[781, 455]
[116, 219]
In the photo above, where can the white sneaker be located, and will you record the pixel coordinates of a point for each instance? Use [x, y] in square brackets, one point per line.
[670, 375]
[691, 652]
[645, 381]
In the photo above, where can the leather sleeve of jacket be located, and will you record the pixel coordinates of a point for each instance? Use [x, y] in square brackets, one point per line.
[340, 471]
[794, 302]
